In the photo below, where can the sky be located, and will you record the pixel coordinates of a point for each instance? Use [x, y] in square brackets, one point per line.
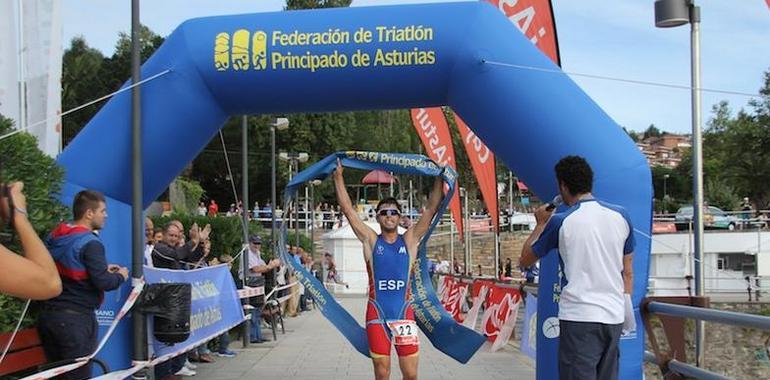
[616, 39]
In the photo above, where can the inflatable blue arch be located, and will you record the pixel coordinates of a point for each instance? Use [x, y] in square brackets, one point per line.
[346, 59]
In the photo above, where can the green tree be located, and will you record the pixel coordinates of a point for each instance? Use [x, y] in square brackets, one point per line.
[82, 82]
[651, 131]
[23, 161]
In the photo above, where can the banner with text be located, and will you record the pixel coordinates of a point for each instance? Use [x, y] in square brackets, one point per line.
[215, 306]
[483, 164]
[433, 130]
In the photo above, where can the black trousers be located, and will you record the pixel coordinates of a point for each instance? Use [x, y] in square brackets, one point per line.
[67, 334]
[588, 350]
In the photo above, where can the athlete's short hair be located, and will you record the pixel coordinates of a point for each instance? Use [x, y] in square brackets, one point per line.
[389, 201]
[575, 173]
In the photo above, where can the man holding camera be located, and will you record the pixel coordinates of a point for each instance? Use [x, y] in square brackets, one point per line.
[67, 323]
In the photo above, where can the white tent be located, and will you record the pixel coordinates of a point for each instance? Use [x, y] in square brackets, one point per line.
[348, 255]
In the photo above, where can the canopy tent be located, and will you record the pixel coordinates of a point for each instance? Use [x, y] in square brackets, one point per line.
[377, 177]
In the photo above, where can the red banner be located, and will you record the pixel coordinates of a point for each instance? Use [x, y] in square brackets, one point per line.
[483, 163]
[455, 297]
[501, 312]
[433, 130]
[535, 20]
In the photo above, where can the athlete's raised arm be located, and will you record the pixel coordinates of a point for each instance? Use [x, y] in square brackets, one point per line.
[420, 228]
[364, 233]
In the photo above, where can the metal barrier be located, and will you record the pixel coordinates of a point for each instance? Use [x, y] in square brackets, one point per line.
[672, 311]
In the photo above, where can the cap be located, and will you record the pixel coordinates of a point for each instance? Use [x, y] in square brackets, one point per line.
[255, 239]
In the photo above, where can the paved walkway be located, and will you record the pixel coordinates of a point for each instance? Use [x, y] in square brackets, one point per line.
[313, 349]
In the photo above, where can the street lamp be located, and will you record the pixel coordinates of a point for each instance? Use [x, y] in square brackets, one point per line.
[313, 184]
[665, 193]
[294, 159]
[668, 14]
[280, 123]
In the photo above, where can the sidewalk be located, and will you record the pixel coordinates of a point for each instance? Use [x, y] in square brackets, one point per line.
[313, 349]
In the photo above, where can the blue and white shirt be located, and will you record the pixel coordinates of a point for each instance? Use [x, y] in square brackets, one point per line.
[592, 238]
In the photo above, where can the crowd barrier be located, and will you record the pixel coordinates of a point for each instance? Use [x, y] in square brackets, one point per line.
[494, 304]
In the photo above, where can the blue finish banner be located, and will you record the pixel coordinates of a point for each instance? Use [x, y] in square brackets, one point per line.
[215, 306]
[529, 330]
[441, 329]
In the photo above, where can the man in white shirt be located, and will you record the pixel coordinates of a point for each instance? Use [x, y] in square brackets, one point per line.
[257, 267]
[595, 241]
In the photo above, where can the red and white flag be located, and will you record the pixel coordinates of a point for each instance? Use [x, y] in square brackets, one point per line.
[433, 130]
[483, 163]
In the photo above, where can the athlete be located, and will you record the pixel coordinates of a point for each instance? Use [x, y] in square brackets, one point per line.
[390, 258]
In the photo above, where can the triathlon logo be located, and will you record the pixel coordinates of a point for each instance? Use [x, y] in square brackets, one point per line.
[380, 250]
[244, 51]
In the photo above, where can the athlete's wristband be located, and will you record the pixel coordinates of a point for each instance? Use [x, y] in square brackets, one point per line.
[20, 210]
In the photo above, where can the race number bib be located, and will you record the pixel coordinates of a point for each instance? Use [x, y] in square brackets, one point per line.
[404, 332]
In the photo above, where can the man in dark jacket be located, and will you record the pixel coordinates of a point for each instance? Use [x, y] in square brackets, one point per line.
[169, 254]
[67, 323]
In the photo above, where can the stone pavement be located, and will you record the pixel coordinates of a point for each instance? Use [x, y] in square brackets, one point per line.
[313, 349]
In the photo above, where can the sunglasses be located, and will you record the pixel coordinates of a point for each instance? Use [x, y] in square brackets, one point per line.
[388, 212]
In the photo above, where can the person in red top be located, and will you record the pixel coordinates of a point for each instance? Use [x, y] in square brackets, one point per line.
[213, 208]
[67, 323]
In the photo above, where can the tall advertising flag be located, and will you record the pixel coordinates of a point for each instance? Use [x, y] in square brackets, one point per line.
[433, 130]
[483, 163]
[535, 20]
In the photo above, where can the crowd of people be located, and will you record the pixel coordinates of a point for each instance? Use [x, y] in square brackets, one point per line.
[326, 215]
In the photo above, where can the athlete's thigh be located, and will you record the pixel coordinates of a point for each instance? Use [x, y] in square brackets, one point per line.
[408, 365]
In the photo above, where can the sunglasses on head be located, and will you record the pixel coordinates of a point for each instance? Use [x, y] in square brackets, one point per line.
[388, 212]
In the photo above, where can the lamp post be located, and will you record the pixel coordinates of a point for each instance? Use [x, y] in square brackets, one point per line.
[244, 218]
[294, 158]
[313, 184]
[280, 123]
[665, 194]
[668, 14]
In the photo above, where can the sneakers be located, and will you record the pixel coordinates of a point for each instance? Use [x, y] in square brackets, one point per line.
[189, 365]
[206, 358]
[185, 372]
[226, 354]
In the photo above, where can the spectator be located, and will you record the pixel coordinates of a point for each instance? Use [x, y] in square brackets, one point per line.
[169, 254]
[746, 214]
[67, 324]
[213, 208]
[157, 235]
[32, 275]
[201, 209]
[595, 242]
[508, 268]
[257, 268]
[149, 241]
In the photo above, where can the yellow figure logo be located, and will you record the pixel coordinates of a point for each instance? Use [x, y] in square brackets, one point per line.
[259, 50]
[222, 52]
[240, 55]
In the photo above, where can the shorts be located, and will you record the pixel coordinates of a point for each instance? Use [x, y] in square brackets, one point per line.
[379, 339]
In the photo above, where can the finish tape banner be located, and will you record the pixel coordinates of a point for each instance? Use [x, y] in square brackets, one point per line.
[442, 330]
[215, 304]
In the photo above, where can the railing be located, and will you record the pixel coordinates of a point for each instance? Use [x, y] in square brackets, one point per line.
[671, 311]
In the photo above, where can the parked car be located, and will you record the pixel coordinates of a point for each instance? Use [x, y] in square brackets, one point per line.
[714, 218]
